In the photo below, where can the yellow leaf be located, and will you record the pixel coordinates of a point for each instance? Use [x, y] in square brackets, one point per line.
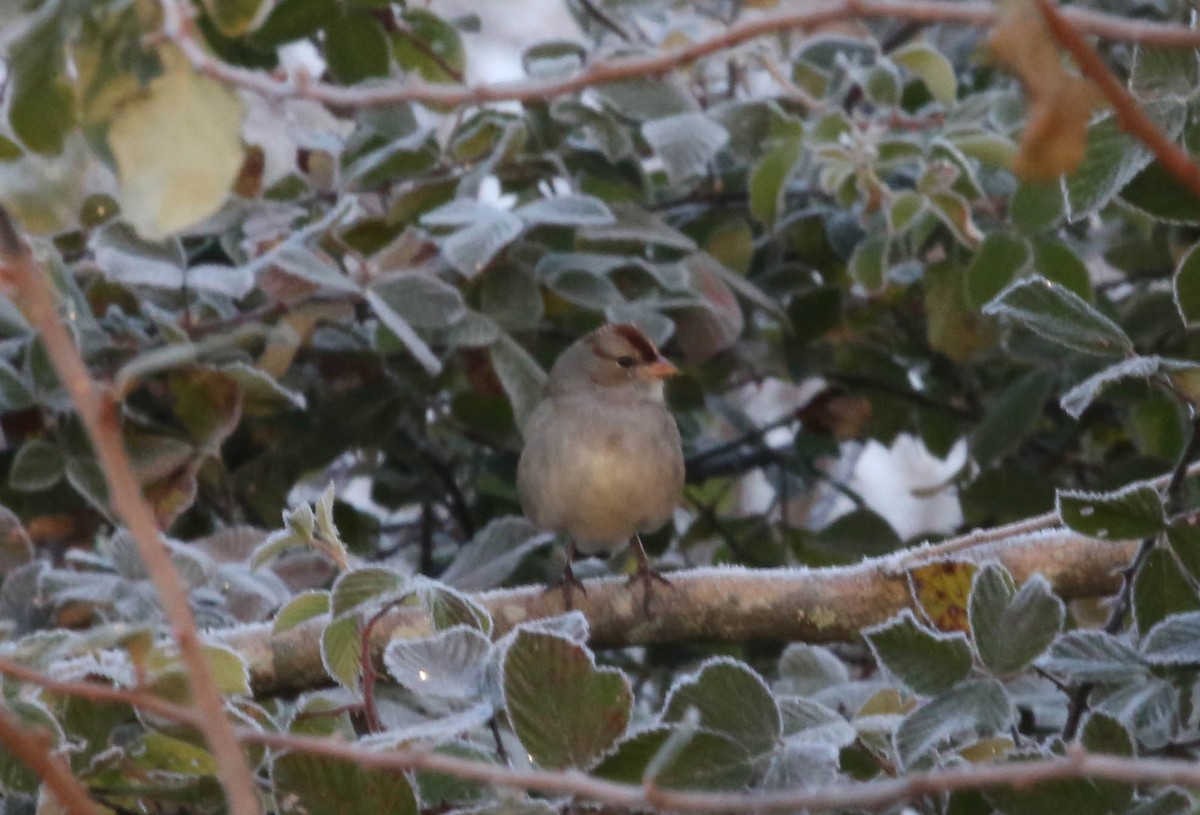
[178, 149]
[941, 590]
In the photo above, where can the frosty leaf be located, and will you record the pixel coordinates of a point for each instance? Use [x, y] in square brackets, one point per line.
[707, 761]
[449, 665]
[566, 711]
[1059, 315]
[403, 330]
[1136, 511]
[1174, 641]
[472, 248]
[301, 608]
[1092, 656]
[927, 661]
[979, 707]
[567, 210]
[306, 784]
[493, 554]
[520, 375]
[686, 143]
[1012, 628]
[354, 588]
[753, 723]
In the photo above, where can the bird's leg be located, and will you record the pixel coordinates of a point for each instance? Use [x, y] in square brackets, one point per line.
[645, 573]
[568, 579]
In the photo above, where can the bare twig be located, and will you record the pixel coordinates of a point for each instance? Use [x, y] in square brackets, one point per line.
[33, 748]
[27, 282]
[1077, 763]
[177, 29]
[1129, 115]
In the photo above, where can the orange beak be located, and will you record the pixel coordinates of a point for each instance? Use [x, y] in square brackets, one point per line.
[661, 369]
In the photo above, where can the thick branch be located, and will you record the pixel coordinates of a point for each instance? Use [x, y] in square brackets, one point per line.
[29, 284]
[177, 28]
[728, 605]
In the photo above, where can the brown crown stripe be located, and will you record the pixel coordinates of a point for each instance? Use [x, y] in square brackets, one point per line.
[637, 339]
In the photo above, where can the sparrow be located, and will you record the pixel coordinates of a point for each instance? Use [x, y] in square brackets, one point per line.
[602, 460]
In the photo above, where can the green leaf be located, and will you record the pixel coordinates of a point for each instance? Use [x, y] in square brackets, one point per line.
[403, 331]
[566, 711]
[1161, 71]
[511, 296]
[686, 143]
[974, 708]
[520, 376]
[356, 587]
[707, 761]
[41, 107]
[754, 722]
[1183, 536]
[1058, 263]
[903, 211]
[306, 784]
[769, 178]
[1187, 287]
[38, 465]
[291, 20]
[421, 300]
[1174, 641]
[356, 48]
[341, 648]
[1114, 157]
[1037, 206]
[437, 38]
[567, 210]
[1161, 589]
[1089, 655]
[1008, 420]
[178, 149]
[1135, 511]
[933, 69]
[449, 608]
[1164, 802]
[1159, 193]
[1059, 315]
[1078, 796]
[927, 661]
[1000, 259]
[1076, 400]
[208, 403]
[869, 262]
[472, 248]
[645, 98]
[553, 58]
[16, 392]
[303, 607]
[233, 18]
[1012, 628]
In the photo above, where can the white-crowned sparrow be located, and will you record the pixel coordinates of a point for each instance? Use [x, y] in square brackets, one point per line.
[602, 459]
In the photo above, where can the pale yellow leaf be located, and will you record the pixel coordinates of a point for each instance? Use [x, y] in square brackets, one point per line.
[178, 149]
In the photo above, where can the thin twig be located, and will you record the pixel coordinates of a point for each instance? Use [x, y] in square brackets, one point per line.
[27, 281]
[33, 748]
[367, 665]
[1077, 763]
[605, 20]
[177, 28]
[1130, 116]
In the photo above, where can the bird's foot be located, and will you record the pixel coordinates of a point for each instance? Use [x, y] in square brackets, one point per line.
[566, 584]
[646, 573]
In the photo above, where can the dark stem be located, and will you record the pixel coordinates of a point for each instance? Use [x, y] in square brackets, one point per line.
[1121, 606]
[367, 666]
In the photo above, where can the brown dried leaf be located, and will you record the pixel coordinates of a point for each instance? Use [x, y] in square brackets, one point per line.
[1060, 103]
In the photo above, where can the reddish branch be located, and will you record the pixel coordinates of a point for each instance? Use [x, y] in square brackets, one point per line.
[178, 28]
[34, 749]
[1129, 115]
[28, 284]
[845, 795]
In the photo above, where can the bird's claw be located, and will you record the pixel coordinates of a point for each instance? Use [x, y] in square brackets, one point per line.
[566, 583]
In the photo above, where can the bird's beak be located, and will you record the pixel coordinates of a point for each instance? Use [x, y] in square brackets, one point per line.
[661, 369]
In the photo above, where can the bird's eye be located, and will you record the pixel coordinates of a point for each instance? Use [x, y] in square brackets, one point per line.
[625, 362]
